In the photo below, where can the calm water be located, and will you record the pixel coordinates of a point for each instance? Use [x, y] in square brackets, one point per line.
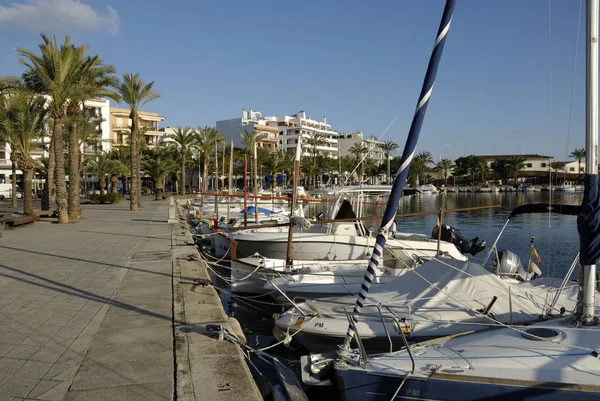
[556, 240]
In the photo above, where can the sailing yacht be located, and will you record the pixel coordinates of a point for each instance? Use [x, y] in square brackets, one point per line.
[554, 360]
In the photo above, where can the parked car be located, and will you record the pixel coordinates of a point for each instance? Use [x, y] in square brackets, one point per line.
[6, 191]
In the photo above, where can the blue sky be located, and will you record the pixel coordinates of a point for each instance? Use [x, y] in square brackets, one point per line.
[359, 63]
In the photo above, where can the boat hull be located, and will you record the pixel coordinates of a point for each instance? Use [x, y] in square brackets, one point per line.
[358, 385]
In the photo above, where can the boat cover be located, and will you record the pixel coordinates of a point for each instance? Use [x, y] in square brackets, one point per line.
[588, 222]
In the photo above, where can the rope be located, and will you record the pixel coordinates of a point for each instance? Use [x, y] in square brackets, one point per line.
[549, 127]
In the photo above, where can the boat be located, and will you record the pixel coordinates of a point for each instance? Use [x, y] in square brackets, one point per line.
[428, 189]
[554, 360]
[439, 298]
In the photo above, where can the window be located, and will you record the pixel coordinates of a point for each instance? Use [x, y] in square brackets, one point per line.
[571, 168]
[528, 165]
[543, 165]
[2, 154]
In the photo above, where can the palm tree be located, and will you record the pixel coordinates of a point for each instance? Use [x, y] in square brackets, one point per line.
[421, 162]
[185, 139]
[388, 147]
[484, 169]
[579, 155]
[157, 166]
[557, 166]
[55, 73]
[95, 79]
[314, 140]
[206, 139]
[122, 155]
[445, 166]
[250, 140]
[135, 93]
[515, 164]
[101, 166]
[358, 150]
[8, 88]
[23, 122]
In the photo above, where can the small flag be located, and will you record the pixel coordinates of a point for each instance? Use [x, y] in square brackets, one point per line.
[534, 254]
[535, 268]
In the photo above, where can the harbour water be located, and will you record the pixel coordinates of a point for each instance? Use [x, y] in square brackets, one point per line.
[556, 241]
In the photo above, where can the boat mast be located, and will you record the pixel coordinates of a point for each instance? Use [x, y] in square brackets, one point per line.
[407, 156]
[588, 259]
[288, 254]
[230, 180]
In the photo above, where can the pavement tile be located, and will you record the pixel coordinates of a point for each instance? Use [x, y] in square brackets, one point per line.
[18, 386]
[33, 369]
[49, 390]
[22, 351]
[62, 372]
[160, 391]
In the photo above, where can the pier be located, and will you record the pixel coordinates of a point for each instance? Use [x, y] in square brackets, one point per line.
[109, 307]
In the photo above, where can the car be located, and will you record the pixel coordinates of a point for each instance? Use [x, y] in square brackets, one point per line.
[6, 191]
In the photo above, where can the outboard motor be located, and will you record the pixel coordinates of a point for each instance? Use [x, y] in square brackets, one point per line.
[509, 265]
[450, 234]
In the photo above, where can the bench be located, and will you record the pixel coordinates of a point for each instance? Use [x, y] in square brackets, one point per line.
[12, 221]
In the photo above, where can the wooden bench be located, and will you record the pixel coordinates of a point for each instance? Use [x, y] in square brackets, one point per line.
[11, 222]
[45, 213]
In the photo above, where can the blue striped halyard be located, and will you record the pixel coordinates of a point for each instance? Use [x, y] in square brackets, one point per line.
[407, 156]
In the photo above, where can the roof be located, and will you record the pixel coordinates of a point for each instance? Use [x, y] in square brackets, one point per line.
[526, 155]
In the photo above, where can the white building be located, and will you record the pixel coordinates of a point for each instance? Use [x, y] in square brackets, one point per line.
[348, 141]
[251, 120]
[98, 109]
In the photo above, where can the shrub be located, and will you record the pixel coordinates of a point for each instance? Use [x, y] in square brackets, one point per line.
[95, 198]
[112, 198]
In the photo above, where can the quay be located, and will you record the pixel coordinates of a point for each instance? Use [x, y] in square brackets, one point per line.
[108, 308]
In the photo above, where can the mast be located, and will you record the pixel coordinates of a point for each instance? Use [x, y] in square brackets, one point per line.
[589, 219]
[407, 156]
[216, 180]
[255, 185]
[230, 180]
[288, 254]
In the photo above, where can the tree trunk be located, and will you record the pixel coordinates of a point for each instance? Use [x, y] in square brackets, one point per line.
[102, 183]
[61, 183]
[74, 177]
[389, 173]
[27, 196]
[133, 143]
[205, 174]
[113, 184]
[13, 178]
[50, 180]
[182, 173]
[158, 191]
[139, 169]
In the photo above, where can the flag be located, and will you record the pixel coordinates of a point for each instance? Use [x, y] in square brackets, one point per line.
[534, 255]
[535, 268]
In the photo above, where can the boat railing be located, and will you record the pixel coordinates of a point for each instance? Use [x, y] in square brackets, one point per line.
[393, 319]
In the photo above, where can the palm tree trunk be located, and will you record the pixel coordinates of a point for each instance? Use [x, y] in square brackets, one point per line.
[133, 143]
[158, 191]
[139, 173]
[204, 174]
[182, 173]
[74, 177]
[50, 184]
[59, 171]
[27, 196]
[13, 178]
[102, 182]
[389, 173]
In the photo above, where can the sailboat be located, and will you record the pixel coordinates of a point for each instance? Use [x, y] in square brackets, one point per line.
[554, 360]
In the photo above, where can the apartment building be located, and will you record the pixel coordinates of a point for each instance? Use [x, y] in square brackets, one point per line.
[97, 110]
[347, 141]
[120, 127]
[251, 120]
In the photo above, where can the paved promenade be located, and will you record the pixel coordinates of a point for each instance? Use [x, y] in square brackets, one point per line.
[86, 308]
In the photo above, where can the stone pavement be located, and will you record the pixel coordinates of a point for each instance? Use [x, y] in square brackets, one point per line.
[86, 308]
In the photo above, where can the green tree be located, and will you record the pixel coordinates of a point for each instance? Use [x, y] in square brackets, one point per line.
[22, 123]
[579, 155]
[445, 167]
[157, 166]
[358, 151]
[421, 163]
[314, 140]
[56, 73]
[135, 93]
[101, 166]
[388, 147]
[483, 169]
[207, 137]
[500, 167]
[123, 157]
[95, 79]
[185, 139]
[515, 164]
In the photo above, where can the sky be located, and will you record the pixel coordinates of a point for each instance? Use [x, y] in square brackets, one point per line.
[503, 87]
